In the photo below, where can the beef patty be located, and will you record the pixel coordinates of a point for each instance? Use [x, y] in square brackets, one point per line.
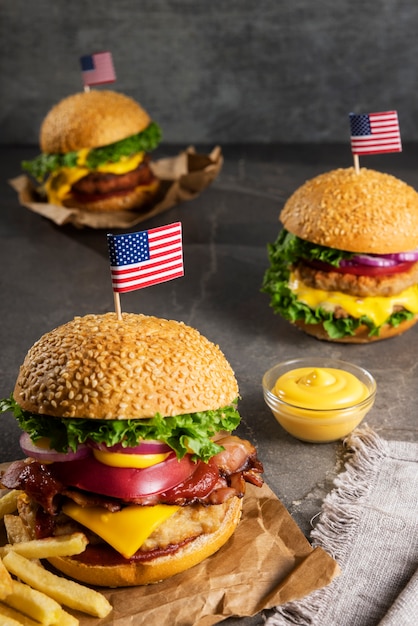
[97, 183]
[361, 286]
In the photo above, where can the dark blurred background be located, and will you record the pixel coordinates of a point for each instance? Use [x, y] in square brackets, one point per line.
[236, 71]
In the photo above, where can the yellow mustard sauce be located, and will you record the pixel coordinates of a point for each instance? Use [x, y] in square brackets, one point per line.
[321, 403]
[320, 388]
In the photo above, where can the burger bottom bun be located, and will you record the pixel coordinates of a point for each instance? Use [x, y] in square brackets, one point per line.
[362, 333]
[134, 574]
[132, 199]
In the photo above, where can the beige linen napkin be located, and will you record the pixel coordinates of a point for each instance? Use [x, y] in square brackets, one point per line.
[404, 610]
[369, 524]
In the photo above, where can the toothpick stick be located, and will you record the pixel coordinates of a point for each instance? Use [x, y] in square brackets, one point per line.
[118, 309]
[356, 163]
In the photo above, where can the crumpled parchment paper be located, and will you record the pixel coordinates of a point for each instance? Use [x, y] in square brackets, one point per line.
[183, 177]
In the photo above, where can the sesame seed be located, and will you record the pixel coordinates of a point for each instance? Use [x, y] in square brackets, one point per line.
[97, 366]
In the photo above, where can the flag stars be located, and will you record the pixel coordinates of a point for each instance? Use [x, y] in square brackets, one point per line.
[127, 249]
[360, 125]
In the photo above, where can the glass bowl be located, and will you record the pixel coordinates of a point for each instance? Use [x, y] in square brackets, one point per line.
[318, 425]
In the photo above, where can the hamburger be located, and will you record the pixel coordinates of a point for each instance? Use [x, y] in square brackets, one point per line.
[344, 267]
[127, 435]
[95, 153]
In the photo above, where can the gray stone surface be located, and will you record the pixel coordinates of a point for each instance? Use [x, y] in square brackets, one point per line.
[226, 72]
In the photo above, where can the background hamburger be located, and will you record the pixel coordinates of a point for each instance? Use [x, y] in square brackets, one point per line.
[344, 268]
[95, 149]
[126, 429]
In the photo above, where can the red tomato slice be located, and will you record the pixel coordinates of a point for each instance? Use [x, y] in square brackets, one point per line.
[361, 270]
[120, 482]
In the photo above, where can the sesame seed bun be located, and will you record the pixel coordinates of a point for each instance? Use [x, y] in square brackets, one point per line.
[90, 120]
[369, 212]
[160, 568]
[99, 367]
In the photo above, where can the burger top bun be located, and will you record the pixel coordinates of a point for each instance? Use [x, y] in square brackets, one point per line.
[367, 211]
[91, 119]
[100, 367]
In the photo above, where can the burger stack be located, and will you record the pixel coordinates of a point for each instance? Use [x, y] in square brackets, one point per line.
[345, 264]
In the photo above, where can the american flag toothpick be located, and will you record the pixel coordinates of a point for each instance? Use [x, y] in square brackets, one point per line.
[97, 69]
[145, 258]
[374, 133]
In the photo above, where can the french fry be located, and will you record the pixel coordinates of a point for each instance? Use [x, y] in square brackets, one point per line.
[64, 545]
[33, 603]
[10, 617]
[62, 590]
[5, 581]
[5, 620]
[66, 619]
[8, 503]
[15, 529]
[9, 621]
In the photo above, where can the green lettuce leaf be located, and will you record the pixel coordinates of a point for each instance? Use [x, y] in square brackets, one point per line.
[286, 250]
[192, 431]
[144, 141]
[292, 248]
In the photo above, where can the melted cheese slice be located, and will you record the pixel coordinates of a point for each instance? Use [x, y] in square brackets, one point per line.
[59, 183]
[138, 461]
[125, 530]
[377, 308]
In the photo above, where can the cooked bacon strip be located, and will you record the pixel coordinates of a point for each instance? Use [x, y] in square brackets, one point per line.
[234, 486]
[36, 480]
[253, 475]
[234, 457]
[86, 498]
